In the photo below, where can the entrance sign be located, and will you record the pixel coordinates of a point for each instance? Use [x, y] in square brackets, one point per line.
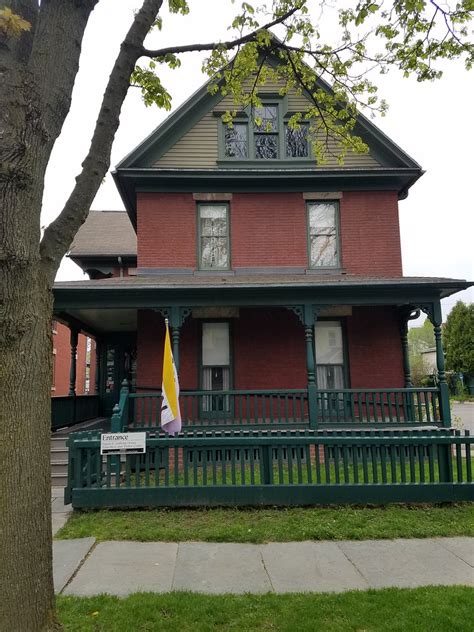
[123, 443]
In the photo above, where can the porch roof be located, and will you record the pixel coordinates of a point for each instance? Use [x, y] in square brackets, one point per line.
[223, 280]
[155, 290]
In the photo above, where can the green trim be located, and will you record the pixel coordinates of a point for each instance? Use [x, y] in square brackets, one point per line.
[198, 236]
[74, 298]
[338, 264]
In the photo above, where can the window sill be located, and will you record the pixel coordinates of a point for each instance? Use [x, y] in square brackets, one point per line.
[268, 163]
[204, 272]
[325, 271]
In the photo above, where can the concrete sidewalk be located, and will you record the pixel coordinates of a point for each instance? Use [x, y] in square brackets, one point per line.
[59, 511]
[82, 567]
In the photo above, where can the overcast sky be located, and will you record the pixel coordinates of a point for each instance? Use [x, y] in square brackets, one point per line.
[433, 122]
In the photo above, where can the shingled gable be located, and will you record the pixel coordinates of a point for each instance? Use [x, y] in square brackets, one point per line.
[158, 164]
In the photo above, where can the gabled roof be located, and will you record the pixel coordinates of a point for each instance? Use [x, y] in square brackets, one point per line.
[104, 234]
[200, 102]
[392, 168]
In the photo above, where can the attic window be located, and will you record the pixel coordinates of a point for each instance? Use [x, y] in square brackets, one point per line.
[236, 141]
[264, 134]
[296, 141]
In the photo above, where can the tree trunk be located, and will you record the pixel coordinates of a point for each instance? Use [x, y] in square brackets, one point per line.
[27, 601]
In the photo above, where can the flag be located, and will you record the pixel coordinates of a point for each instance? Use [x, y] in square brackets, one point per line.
[170, 413]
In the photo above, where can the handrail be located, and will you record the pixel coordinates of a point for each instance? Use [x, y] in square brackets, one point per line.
[120, 411]
[277, 391]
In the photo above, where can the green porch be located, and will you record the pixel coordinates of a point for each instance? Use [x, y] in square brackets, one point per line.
[110, 310]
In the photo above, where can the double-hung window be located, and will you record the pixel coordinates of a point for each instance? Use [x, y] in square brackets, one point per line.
[265, 132]
[213, 237]
[323, 240]
[329, 355]
[215, 365]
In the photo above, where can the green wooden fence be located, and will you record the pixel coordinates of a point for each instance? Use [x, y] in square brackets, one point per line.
[335, 408]
[273, 467]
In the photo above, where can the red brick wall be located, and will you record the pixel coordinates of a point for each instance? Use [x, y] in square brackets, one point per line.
[370, 233]
[375, 352]
[269, 230]
[268, 349]
[166, 230]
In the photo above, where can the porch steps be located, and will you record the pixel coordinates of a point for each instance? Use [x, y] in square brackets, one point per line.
[59, 459]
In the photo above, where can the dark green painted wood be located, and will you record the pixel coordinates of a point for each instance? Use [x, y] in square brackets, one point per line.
[71, 410]
[277, 495]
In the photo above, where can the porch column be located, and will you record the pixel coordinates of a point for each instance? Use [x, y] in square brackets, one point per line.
[309, 320]
[73, 370]
[97, 365]
[437, 320]
[404, 318]
[175, 329]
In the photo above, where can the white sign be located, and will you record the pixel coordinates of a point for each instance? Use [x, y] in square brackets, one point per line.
[123, 443]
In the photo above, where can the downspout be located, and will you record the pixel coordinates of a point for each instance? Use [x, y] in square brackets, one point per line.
[120, 262]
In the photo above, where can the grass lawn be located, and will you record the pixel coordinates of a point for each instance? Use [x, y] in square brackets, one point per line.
[274, 524]
[432, 609]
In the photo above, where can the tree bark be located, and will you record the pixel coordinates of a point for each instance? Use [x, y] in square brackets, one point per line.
[34, 102]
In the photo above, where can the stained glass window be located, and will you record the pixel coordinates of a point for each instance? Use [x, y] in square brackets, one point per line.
[236, 145]
[214, 236]
[323, 242]
[296, 141]
[266, 132]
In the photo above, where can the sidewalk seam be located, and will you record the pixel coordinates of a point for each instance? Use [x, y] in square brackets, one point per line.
[357, 569]
[440, 542]
[265, 568]
[175, 565]
[79, 566]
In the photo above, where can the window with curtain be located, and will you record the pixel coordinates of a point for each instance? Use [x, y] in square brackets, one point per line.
[213, 226]
[323, 234]
[329, 354]
[215, 365]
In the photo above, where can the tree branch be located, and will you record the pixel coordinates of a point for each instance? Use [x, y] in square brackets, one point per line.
[189, 48]
[60, 233]
[58, 36]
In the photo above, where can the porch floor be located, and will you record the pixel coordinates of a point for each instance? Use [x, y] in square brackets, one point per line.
[98, 423]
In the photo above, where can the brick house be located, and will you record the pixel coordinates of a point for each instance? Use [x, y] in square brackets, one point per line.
[281, 278]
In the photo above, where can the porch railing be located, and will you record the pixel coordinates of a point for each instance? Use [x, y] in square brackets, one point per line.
[225, 408]
[398, 406]
[279, 467]
[69, 410]
[343, 408]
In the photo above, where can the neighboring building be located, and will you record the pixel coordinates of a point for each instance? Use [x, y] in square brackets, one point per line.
[85, 379]
[275, 272]
[429, 360]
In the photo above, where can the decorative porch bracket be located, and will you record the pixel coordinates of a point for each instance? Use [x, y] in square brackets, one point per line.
[176, 316]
